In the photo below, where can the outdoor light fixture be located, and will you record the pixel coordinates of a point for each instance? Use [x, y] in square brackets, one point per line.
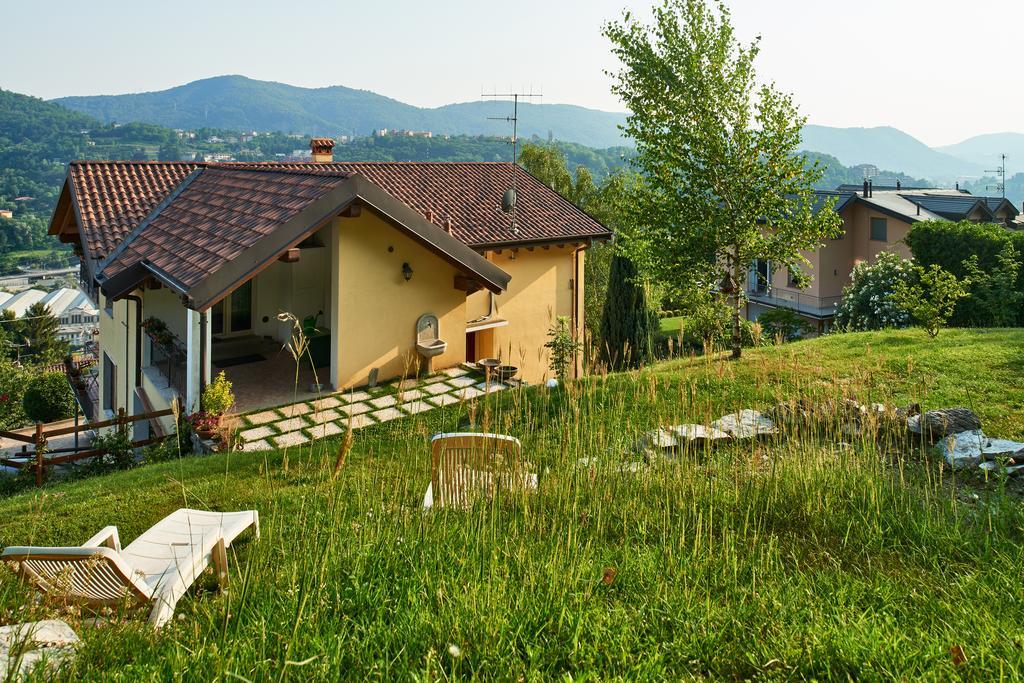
[406, 271]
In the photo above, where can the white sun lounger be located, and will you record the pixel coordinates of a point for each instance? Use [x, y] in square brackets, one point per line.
[155, 569]
[465, 466]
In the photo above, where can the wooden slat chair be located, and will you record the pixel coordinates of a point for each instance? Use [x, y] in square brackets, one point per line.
[154, 570]
[468, 466]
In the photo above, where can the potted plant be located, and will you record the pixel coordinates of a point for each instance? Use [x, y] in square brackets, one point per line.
[204, 424]
[218, 397]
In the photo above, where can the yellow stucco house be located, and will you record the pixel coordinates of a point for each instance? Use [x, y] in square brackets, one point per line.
[193, 264]
[875, 219]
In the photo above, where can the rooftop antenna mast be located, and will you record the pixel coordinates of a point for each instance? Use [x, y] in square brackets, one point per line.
[508, 201]
[1001, 172]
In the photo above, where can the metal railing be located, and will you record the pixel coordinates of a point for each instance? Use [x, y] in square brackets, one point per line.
[783, 297]
[170, 357]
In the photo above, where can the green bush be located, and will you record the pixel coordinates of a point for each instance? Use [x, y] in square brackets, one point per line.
[952, 246]
[217, 396]
[783, 323]
[48, 398]
[563, 347]
[867, 301]
[13, 380]
[118, 445]
[930, 297]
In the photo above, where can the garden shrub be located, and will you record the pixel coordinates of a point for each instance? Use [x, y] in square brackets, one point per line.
[13, 380]
[967, 250]
[930, 297]
[563, 347]
[48, 398]
[118, 445]
[867, 301]
[784, 323]
[217, 396]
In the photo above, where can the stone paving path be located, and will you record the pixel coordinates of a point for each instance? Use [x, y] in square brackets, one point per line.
[330, 415]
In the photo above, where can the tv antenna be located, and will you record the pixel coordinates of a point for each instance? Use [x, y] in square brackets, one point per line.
[509, 199]
[1001, 172]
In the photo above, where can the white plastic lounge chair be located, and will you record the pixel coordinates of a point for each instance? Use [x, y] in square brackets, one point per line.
[155, 569]
[465, 466]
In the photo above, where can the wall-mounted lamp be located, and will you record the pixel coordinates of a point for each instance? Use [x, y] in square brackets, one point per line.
[406, 271]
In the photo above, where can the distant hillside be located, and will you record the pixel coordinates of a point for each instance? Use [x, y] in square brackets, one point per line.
[887, 147]
[836, 174]
[985, 150]
[240, 103]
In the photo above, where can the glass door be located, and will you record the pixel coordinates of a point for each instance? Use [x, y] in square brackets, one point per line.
[241, 308]
[233, 314]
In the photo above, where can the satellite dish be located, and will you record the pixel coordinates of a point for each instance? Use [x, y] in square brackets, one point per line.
[508, 200]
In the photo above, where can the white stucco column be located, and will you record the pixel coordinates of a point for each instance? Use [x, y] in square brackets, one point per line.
[192, 365]
[208, 342]
[334, 300]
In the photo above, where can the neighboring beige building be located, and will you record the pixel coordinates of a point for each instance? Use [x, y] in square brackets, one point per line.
[875, 219]
[194, 263]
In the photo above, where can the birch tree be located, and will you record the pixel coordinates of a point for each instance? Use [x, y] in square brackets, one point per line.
[723, 183]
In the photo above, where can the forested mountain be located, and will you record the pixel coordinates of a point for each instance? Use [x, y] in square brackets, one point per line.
[38, 138]
[244, 104]
[836, 174]
[887, 147]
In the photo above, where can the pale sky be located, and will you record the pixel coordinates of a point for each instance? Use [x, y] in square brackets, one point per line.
[937, 69]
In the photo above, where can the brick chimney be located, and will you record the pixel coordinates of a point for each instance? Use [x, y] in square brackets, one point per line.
[322, 149]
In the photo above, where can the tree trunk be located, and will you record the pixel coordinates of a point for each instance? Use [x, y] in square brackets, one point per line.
[737, 335]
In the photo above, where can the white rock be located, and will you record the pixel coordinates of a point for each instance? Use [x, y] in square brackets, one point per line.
[992, 466]
[968, 449]
[660, 438]
[697, 435]
[745, 424]
[47, 642]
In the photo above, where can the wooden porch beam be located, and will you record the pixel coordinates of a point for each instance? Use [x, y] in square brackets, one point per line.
[467, 284]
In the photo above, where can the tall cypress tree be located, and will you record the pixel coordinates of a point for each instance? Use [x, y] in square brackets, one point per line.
[626, 324]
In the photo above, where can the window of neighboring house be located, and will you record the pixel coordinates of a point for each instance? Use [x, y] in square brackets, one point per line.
[109, 384]
[109, 306]
[879, 230]
[790, 280]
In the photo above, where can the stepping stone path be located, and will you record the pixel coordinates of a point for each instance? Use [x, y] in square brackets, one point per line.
[330, 415]
[23, 647]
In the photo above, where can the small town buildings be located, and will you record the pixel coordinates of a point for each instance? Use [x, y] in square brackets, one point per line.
[875, 219]
[78, 317]
[391, 269]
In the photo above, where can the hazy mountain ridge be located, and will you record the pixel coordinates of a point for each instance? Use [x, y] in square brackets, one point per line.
[888, 147]
[240, 103]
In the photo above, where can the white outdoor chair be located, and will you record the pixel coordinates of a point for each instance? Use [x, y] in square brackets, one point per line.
[466, 466]
[153, 570]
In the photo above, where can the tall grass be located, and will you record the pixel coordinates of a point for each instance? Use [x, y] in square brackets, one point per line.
[816, 554]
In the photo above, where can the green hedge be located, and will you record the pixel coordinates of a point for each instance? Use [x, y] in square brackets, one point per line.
[949, 245]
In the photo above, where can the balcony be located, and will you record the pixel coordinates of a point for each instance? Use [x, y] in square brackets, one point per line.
[168, 355]
[795, 300]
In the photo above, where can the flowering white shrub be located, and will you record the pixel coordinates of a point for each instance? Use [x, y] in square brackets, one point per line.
[868, 300]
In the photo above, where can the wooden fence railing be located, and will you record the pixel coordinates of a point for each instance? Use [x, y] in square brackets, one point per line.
[37, 459]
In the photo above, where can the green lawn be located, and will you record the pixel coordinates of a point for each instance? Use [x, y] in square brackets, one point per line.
[670, 326]
[801, 558]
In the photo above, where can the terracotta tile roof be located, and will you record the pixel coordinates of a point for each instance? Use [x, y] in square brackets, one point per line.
[114, 196]
[224, 223]
[216, 216]
[470, 194]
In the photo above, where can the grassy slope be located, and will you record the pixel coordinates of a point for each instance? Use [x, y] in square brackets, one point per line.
[785, 560]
